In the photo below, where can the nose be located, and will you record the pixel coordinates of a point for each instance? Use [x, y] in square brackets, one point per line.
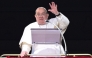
[40, 16]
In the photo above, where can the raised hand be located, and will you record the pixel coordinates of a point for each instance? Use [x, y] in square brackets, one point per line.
[53, 9]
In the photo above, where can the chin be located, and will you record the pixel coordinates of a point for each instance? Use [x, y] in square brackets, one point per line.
[42, 22]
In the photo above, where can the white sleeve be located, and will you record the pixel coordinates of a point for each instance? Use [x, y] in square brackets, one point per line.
[61, 21]
[26, 40]
[26, 37]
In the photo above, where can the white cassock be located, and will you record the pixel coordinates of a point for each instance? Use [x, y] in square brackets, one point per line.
[43, 49]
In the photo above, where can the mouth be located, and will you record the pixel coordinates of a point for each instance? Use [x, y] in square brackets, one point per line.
[41, 19]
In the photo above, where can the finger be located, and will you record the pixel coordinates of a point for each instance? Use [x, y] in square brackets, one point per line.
[21, 55]
[53, 3]
[49, 9]
[56, 6]
[50, 4]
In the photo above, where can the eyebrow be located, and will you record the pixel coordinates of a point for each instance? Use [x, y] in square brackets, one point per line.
[39, 13]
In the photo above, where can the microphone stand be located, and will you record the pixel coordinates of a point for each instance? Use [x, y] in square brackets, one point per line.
[62, 37]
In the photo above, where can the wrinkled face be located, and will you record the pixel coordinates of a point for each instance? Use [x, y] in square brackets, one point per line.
[41, 16]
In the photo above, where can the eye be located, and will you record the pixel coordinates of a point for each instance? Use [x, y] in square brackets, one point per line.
[37, 14]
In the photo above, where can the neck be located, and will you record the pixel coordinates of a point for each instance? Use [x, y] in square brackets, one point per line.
[42, 23]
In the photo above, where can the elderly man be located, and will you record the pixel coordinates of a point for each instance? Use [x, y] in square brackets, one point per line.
[41, 16]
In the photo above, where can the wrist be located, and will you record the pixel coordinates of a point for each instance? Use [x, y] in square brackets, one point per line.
[25, 48]
[57, 13]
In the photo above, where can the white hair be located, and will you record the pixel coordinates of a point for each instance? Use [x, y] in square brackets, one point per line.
[42, 8]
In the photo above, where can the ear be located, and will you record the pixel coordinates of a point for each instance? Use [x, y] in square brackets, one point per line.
[35, 16]
[47, 15]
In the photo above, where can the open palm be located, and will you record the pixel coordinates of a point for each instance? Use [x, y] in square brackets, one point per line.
[53, 9]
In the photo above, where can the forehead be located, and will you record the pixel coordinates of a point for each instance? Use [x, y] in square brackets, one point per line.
[40, 10]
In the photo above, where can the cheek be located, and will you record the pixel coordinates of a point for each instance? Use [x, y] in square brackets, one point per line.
[45, 16]
[36, 18]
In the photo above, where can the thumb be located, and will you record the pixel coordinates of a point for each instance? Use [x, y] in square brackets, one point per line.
[49, 9]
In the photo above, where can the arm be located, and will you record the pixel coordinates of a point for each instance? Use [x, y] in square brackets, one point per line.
[25, 47]
[25, 42]
[61, 21]
[25, 50]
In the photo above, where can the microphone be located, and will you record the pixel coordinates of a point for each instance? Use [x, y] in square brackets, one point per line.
[61, 35]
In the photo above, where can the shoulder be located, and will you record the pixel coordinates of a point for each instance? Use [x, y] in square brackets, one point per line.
[53, 19]
[30, 25]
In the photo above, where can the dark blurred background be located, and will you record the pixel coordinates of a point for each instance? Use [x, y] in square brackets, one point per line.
[16, 14]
